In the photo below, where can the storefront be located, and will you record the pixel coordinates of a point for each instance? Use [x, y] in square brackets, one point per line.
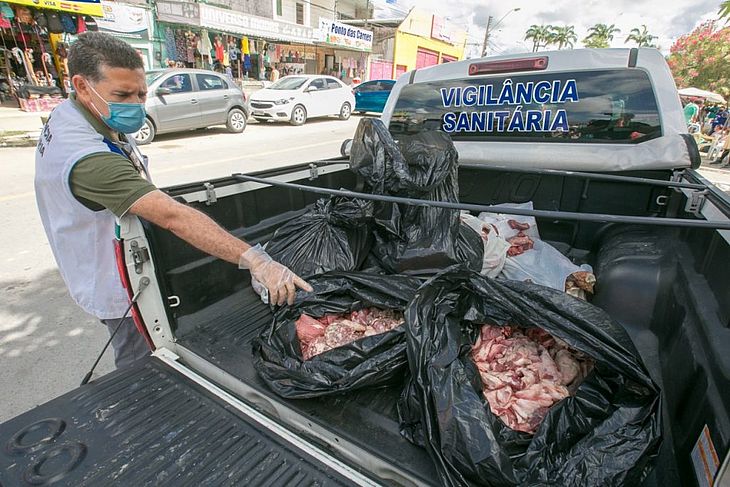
[34, 45]
[133, 24]
[185, 44]
[344, 50]
[241, 45]
[271, 42]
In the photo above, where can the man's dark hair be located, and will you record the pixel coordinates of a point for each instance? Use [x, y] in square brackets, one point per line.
[93, 50]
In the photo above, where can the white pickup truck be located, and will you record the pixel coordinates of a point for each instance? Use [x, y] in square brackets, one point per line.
[603, 154]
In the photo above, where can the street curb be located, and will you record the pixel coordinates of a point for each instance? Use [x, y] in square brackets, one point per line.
[29, 139]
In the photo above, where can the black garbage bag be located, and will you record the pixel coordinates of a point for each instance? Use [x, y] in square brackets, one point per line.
[335, 234]
[371, 361]
[410, 238]
[606, 434]
[469, 248]
[374, 155]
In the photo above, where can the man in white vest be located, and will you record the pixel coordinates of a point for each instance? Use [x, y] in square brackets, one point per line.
[89, 174]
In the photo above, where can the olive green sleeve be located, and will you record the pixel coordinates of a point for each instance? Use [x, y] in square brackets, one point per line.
[107, 180]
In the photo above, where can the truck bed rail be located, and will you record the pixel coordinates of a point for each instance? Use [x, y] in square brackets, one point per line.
[547, 214]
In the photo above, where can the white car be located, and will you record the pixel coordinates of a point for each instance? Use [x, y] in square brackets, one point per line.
[297, 98]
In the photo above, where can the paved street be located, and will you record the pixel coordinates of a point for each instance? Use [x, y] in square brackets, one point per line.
[47, 343]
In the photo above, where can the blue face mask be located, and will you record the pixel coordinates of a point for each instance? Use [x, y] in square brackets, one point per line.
[126, 118]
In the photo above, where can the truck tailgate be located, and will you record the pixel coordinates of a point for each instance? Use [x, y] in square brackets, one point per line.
[149, 425]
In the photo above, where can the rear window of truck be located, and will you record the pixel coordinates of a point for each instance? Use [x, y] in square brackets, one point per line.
[606, 106]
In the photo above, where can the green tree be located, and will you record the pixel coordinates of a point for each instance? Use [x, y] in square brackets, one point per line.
[600, 36]
[641, 37]
[724, 11]
[700, 59]
[563, 36]
[540, 35]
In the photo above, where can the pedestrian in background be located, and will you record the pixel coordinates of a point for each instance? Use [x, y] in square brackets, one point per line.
[720, 119]
[720, 161]
[691, 110]
[275, 74]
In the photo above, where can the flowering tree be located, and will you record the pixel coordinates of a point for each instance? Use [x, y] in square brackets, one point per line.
[700, 58]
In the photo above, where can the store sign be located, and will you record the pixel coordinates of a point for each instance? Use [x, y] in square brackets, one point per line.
[441, 30]
[178, 12]
[83, 7]
[338, 34]
[251, 25]
[124, 21]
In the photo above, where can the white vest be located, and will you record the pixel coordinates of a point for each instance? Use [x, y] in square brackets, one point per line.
[82, 240]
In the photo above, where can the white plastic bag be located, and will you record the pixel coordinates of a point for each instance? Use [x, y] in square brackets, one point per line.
[495, 246]
[502, 221]
[543, 264]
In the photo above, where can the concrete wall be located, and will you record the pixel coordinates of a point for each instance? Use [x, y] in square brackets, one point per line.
[289, 11]
[251, 7]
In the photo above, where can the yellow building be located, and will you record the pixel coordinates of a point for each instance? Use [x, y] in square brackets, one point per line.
[419, 40]
[424, 39]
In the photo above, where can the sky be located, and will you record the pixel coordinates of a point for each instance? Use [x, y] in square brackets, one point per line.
[667, 19]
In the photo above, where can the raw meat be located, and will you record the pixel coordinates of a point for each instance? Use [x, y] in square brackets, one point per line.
[515, 225]
[525, 372]
[579, 283]
[308, 328]
[317, 335]
[519, 243]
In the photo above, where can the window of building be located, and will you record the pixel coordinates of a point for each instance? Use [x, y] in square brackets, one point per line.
[300, 13]
[279, 8]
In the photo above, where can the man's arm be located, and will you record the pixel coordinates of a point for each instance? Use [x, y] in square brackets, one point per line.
[204, 234]
[190, 225]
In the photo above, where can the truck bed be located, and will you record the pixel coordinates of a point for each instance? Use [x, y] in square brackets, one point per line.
[366, 419]
[666, 286]
[146, 426]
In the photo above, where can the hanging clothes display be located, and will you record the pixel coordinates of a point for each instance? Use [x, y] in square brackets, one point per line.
[206, 49]
[218, 45]
[170, 44]
[180, 46]
[29, 74]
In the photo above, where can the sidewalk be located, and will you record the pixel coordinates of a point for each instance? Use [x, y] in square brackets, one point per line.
[718, 177]
[18, 128]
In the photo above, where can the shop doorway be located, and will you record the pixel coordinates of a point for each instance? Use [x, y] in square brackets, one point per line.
[425, 58]
[381, 69]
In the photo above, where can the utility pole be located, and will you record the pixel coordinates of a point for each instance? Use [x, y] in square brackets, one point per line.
[486, 36]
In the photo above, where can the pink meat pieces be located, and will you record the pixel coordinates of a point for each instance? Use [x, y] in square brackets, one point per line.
[515, 225]
[317, 335]
[308, 328]
[315, 347]
[520, 244]
[525, 372]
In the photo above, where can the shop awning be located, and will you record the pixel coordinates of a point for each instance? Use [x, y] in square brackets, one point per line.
[82, 7]
[239, 23]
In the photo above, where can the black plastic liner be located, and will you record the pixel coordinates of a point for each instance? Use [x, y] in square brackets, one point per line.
[335, 234]
[606, 434]
[411, 239]
[370, 361]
